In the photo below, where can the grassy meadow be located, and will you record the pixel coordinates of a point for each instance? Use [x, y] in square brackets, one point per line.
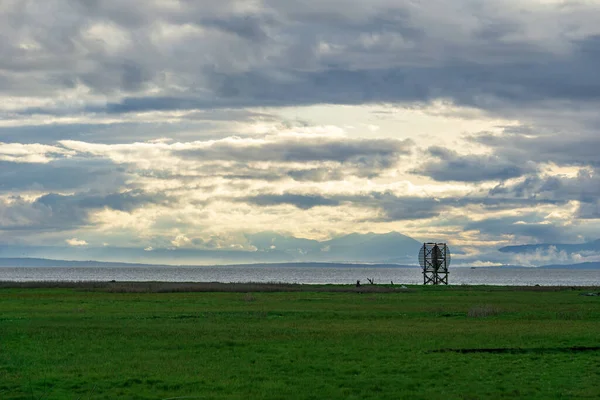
[151, 341]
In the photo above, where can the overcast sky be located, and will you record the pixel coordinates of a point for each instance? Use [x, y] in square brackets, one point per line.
[165, 123]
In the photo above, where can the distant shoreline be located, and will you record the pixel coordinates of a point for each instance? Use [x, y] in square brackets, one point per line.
[171, 287]
[56, 263]
[31, 262]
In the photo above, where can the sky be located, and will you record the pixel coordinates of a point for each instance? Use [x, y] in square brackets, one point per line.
[159, 124]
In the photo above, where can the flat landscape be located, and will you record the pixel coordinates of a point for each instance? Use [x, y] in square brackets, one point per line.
[210, 341]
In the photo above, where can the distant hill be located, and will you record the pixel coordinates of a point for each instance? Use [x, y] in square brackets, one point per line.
[585, 265]
[42, 262]
[326, 265]
[593, 247]
[392, 247]
[271, 247]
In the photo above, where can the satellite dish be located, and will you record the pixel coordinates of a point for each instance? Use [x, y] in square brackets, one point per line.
[434, 259]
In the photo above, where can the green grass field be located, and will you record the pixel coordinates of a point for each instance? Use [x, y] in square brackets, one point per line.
[420, 343]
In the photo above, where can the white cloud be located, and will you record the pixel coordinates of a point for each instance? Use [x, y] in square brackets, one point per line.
[31, 153]
[181, 241]
[153, 124]
[76, 242]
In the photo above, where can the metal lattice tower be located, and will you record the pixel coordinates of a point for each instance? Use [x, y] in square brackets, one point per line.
[435, 260]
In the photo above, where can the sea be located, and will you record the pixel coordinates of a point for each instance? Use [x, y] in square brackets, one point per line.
[304, 275]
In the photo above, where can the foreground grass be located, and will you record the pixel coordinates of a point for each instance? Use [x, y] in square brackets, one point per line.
[424, 342]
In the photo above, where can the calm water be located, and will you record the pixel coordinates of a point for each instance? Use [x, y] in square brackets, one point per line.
[349, 275]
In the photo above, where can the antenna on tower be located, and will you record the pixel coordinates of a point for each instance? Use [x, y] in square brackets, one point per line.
[434, 259]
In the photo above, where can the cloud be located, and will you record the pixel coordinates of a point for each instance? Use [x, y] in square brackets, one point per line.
[301, 157]
[448, 165]
[188, 117]
[302, 201]
[61, 175]
[524, 227]
[368, 152]
[317, 174]
[584, 188]
[551, 255]
[181, 241]
[560, 148]
[389, 206]
[63, 212]
[76, 242]
[31, 153]
[272, 53]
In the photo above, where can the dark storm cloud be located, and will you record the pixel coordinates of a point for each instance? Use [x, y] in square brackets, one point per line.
[412, 207]
[590, 210]
[563, 148]
[448, 165]
[380, 153]
[522, 82]
[399, 208]
[205, 124]
[533, 229]
[129, 76]
[52, 133]
[318, 174]
[139, 104]
[584, 188]
[109, 60]
[301, 201]
[250, 27]
[278, 172]
[62, 212]
[464, 83]
[390, 206]
[274, 55]
[329, 159]
[60, 175]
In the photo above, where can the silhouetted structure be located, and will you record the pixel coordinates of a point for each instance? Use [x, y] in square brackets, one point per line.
[435, 260]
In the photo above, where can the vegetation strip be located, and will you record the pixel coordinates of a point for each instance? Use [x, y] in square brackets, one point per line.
[109, 341]
[518, 350]
[174, 287]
